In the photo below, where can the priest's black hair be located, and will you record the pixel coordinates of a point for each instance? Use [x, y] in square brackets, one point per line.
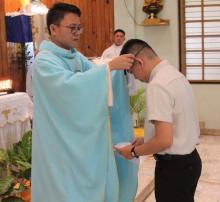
[57, 12]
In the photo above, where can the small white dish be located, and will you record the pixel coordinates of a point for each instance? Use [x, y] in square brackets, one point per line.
[123, 144]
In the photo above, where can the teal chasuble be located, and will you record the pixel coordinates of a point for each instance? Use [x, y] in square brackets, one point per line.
[72, 155]
[122, 131]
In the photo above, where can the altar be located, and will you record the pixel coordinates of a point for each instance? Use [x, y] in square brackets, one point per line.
[15, 118]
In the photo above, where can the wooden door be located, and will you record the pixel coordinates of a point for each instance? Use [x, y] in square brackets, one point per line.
[98, 21]
[3, 53]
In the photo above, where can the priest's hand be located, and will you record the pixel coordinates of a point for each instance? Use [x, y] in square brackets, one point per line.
[122, 62]
[125, 151]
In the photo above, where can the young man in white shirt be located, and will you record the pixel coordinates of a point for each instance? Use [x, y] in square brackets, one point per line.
[171, 126]
[115, 49]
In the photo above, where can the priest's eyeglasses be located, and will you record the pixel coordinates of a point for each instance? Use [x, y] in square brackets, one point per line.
[74, 28]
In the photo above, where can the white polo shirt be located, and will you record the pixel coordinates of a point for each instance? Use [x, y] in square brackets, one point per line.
[170, 99]
[111, 52]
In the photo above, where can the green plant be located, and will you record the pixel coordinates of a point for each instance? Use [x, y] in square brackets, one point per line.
[20, 157]
[15, 170]
[138, 106]
[24, 56]
[4, 166]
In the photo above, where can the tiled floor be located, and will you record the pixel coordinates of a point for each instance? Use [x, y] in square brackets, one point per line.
[208, 189]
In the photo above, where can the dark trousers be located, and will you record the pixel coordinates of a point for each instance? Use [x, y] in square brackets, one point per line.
[176, 177]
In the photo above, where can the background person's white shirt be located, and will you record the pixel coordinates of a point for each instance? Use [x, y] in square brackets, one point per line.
[111, 52]
[170, 99]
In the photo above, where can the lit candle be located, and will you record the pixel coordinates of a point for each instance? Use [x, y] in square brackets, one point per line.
[5, 85]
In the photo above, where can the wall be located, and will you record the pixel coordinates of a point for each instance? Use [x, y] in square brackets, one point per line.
[165, 40]
[208, 103]
[122, 18]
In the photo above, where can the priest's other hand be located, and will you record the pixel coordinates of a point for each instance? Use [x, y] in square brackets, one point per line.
[125, 151]
[122, 62]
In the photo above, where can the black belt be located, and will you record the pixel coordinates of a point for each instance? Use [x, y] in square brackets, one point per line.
[159, 157]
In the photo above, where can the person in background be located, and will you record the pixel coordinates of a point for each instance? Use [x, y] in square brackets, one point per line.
[115, 49]
[171, 125]
[72, 151]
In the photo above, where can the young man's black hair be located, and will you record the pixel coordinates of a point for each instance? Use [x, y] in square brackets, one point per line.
[119, 30]
[135, 46]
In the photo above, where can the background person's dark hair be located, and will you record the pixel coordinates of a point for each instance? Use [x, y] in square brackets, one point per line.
[119, 30]
[57, 12]
[135, 46]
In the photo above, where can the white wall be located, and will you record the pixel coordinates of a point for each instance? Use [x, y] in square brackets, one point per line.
[122, 18]
[208, 104]
[165, 41]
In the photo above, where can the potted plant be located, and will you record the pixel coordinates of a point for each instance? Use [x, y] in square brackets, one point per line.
[138, 107]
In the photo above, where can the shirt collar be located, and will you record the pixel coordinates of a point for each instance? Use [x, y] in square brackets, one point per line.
[49, 45]
[157, 68]
[118, 46]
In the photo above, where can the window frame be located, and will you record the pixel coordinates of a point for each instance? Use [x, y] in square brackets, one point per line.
[182, 47]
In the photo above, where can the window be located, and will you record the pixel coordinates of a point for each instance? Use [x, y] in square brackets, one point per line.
[200, 40]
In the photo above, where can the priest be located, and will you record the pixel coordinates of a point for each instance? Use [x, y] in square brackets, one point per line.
[73, 158]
